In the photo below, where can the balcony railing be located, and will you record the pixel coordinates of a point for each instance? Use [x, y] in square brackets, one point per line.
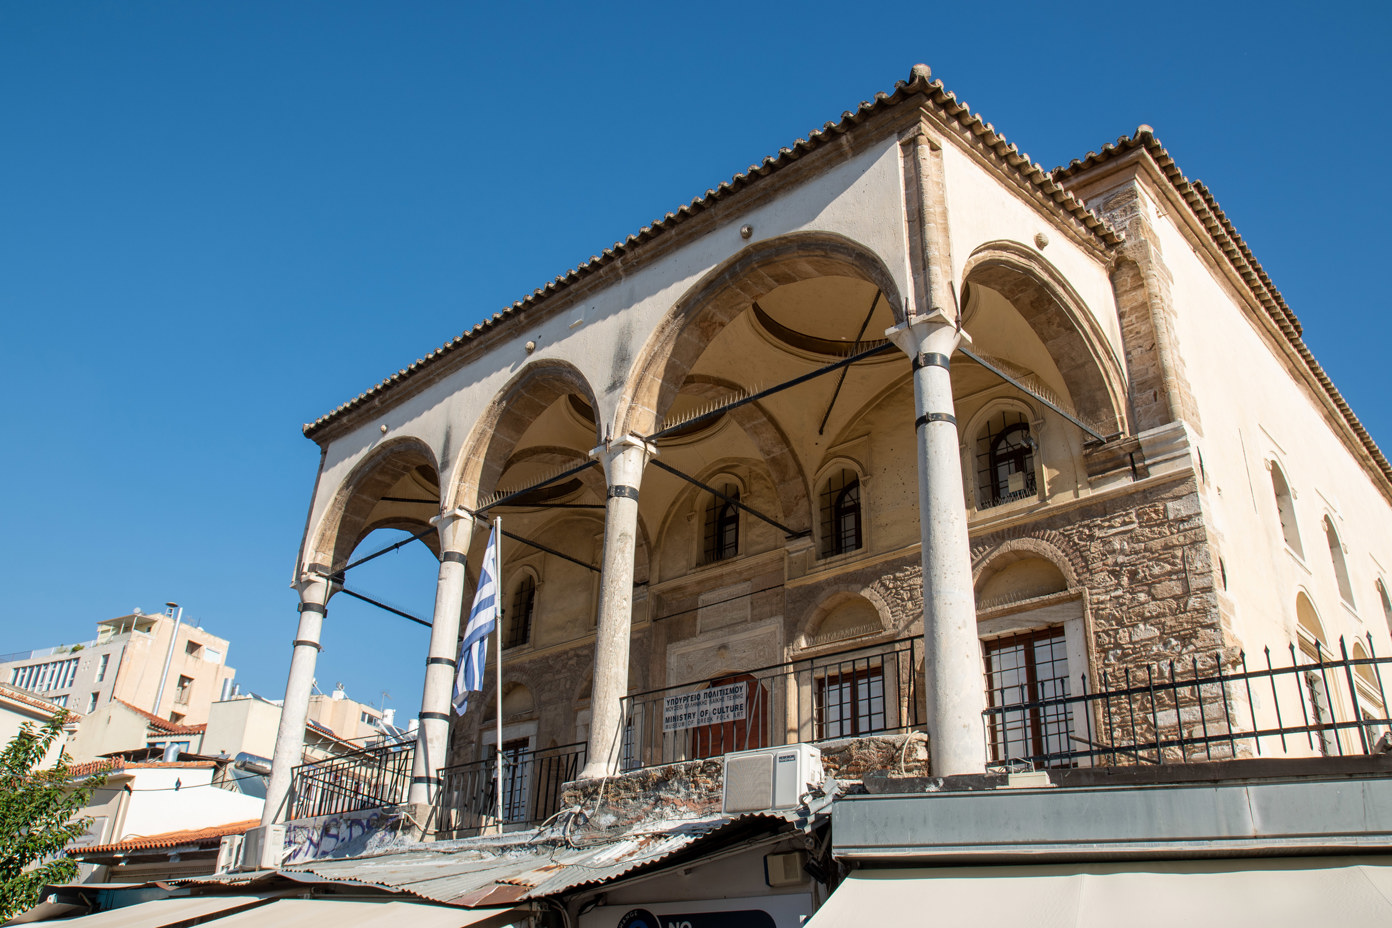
[1183, 711]
[468, 798]
[862, 691]
[367, 779]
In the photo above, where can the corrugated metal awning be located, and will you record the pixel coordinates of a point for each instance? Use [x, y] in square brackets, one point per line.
[1274, 892]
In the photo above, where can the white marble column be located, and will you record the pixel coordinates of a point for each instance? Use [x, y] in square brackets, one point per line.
[955, 689]
[432, 734]
[314, 594]
[623, 460]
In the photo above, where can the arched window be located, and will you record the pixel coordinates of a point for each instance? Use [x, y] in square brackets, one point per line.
[1005, 459]
[722, 525]
[1285, 509]
[1336, 555]
[517, 627]
[841, 514]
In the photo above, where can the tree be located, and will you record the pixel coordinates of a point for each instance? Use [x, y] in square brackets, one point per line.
[38, 816]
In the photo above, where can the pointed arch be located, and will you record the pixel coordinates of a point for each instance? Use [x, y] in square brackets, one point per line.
[1058, 315]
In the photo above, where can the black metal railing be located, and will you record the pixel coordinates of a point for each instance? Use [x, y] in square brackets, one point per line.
[366, 779]
[861, 691]
[1197, 709]
[531, 789]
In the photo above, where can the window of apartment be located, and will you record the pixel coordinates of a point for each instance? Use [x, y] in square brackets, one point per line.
[1005, 459]
[517, 625]
[367, 718]
[60, 701]
[92, 702]
[1285, 509]
[1027, 682]
[184, 690]
[193, 649]
[102, 664]
[850, 703]
[1336, 555]
[840, 509]
[722, 525]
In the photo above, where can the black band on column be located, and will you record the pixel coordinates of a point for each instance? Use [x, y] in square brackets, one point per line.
[923, 420]
[931, 359]
[437, 716]
[433, 781]
[448, 661]
[624, 492]
[313, 644]
[453, 557]
[313, 607]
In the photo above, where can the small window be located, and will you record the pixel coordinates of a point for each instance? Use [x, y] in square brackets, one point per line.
[193, 649]
[92, 702]
[185, 690]
[1005, 460]
[60, 701]
[1336, 555]
[517, 626]
[101, 667]
[841, 514]
[722, 525]
[367, 718]
[1285, 510]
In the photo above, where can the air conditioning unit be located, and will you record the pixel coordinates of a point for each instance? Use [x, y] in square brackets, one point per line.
[263, 848]
[770, 778]
[229, 854]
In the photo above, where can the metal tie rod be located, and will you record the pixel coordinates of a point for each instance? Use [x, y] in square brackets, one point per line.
[1019, 386]
[729, 499]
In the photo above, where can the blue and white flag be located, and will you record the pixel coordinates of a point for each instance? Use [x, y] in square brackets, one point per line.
[483, 618]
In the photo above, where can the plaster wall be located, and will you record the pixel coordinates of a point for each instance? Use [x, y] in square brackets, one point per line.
[243, 725]
[14, 714]
[113, 727]
[157, 807]
[982, 209]
[602, 331]
[1254, 412]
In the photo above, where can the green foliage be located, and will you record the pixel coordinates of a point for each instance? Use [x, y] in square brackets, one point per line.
[38, 816]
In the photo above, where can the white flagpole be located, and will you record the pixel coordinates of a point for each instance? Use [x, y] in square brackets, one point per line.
[498, 644]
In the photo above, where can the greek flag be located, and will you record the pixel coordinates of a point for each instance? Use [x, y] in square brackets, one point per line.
[483, 617]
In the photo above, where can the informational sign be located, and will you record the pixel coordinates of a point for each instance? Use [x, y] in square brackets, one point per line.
[713, 706]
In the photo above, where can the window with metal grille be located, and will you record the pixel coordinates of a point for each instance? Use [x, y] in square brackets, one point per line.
[722, 525]
[1005, 459]
[840, 507]
[517, 629]
[517, 768]
[851, 702]
[1027, 679]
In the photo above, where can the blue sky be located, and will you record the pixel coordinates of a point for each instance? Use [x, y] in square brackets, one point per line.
[219, 221]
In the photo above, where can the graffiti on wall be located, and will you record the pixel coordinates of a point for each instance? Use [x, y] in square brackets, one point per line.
[347, 834]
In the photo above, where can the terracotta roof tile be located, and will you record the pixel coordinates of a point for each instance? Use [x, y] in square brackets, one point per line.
[982, 135]
[36, 701]
[105, 765]
[1227, 240]
[169, 838]
[161, 724]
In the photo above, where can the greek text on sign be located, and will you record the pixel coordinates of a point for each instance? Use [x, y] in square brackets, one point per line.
[707, 707]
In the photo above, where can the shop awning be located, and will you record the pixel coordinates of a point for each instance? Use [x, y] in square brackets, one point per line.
[163, 912]
[356, 913]
[1350, 892]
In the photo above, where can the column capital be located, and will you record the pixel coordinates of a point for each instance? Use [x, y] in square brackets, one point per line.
[624, 459]
[455, 528]
[311, 585]
[933, 333]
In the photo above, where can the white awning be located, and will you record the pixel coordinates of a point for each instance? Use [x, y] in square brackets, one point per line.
[1273, 892]
[160, 912]
[360, 913]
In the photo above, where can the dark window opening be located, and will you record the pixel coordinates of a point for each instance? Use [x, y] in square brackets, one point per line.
[517, 628]
[1005, 460]
[841, 514]
[722, 525]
